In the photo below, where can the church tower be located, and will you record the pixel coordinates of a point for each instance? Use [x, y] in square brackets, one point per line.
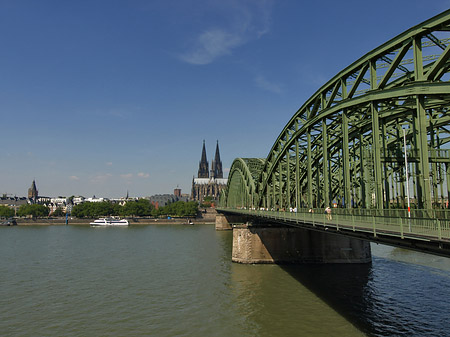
[33, 192]
[203, 168]
[216, 167]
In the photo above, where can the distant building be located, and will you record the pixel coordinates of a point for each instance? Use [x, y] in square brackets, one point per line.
[33, 193]
[177, 192]
[13, 202]
[208, 183]
[77, 200]
[161, 200]
[94, 199]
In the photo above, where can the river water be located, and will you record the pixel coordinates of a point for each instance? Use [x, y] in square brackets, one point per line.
[178, 280]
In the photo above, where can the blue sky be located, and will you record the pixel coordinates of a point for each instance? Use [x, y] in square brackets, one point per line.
[103, 96]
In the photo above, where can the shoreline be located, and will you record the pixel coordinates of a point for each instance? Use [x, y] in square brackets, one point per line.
[205, 217]
[132, 222]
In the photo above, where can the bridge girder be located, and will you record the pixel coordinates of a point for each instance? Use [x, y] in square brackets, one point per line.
[241, 189]
[345, 143]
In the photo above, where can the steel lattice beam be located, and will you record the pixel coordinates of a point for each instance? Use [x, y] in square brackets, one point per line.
[345, 143]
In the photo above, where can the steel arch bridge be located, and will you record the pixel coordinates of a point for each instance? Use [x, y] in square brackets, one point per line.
[346, 144]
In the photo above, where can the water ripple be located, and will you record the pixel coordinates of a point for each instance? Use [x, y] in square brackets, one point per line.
[179, 281]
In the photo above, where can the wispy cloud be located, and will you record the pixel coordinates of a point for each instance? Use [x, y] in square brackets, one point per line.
[263, 83]
[127, 175]
[143, 175]
[100, 178]
[210, 45]
[244, 21]
[74, 178]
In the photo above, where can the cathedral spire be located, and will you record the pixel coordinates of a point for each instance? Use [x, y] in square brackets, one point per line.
[204, 153]
[218, 173]
[203, 168]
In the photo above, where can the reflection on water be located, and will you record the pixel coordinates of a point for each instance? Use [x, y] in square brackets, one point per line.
[412, 257]
[179, 281]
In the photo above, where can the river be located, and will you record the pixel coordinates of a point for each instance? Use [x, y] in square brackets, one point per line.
[178, 280]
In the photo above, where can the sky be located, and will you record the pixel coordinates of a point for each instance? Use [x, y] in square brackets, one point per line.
[101, 97]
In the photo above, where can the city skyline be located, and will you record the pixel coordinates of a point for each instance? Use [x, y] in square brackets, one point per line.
[34, 191]
[104, 97]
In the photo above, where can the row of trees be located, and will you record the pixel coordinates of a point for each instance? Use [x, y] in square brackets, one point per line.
[141, 207]
[6, 212]
[34, 210]
[178, 208]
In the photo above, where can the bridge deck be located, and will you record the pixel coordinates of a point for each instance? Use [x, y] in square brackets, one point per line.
[422, 234]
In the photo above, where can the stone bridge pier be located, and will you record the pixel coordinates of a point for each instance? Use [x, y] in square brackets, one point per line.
[268, 243]
[284, 244]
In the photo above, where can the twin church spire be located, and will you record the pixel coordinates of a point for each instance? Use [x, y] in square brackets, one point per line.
[216, 165]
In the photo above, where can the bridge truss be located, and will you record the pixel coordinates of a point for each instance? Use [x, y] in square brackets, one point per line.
[345, 145]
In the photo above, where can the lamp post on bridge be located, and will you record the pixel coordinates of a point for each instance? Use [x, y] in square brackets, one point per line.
[407, 177]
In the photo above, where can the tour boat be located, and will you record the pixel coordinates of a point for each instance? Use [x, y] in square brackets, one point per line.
[110, 222]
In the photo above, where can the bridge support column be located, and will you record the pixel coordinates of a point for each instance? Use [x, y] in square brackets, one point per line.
[273, 244]
[225, 222]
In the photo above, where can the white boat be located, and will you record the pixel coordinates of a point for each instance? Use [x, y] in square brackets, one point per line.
[110, 222]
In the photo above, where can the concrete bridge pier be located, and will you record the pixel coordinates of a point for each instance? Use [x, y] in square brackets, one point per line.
[259, 243]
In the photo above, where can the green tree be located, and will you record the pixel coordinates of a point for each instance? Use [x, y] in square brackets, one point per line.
[192, 208]
[180, 208]
[59, 212]
[207, 202]
[95, 209]
[141, 207]
[6, 212]
[156, 212]
[34, 210]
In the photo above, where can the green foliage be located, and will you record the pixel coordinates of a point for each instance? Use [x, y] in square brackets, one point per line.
[96, 209]
[141, 207]
[34, 210]
[180, 208]
[58, 212]
[6, 212]
[208, 202]
[156, 212]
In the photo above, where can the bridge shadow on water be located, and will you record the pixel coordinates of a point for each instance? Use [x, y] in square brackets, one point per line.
[381, 298]
[387, 297]
[375, 298]
[344, 287]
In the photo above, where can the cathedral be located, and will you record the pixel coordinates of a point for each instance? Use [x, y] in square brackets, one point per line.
[208, 183]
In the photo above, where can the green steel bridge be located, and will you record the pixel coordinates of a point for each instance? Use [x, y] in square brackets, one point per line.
[372, 143]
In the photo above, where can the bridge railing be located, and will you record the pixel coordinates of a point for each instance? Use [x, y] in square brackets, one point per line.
[421, 228]
[438, 213]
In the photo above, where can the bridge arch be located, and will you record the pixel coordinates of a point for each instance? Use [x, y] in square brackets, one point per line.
[345, 144]
[242, 185]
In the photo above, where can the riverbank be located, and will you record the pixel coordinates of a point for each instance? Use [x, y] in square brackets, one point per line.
[207, 216]
[85, 222]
